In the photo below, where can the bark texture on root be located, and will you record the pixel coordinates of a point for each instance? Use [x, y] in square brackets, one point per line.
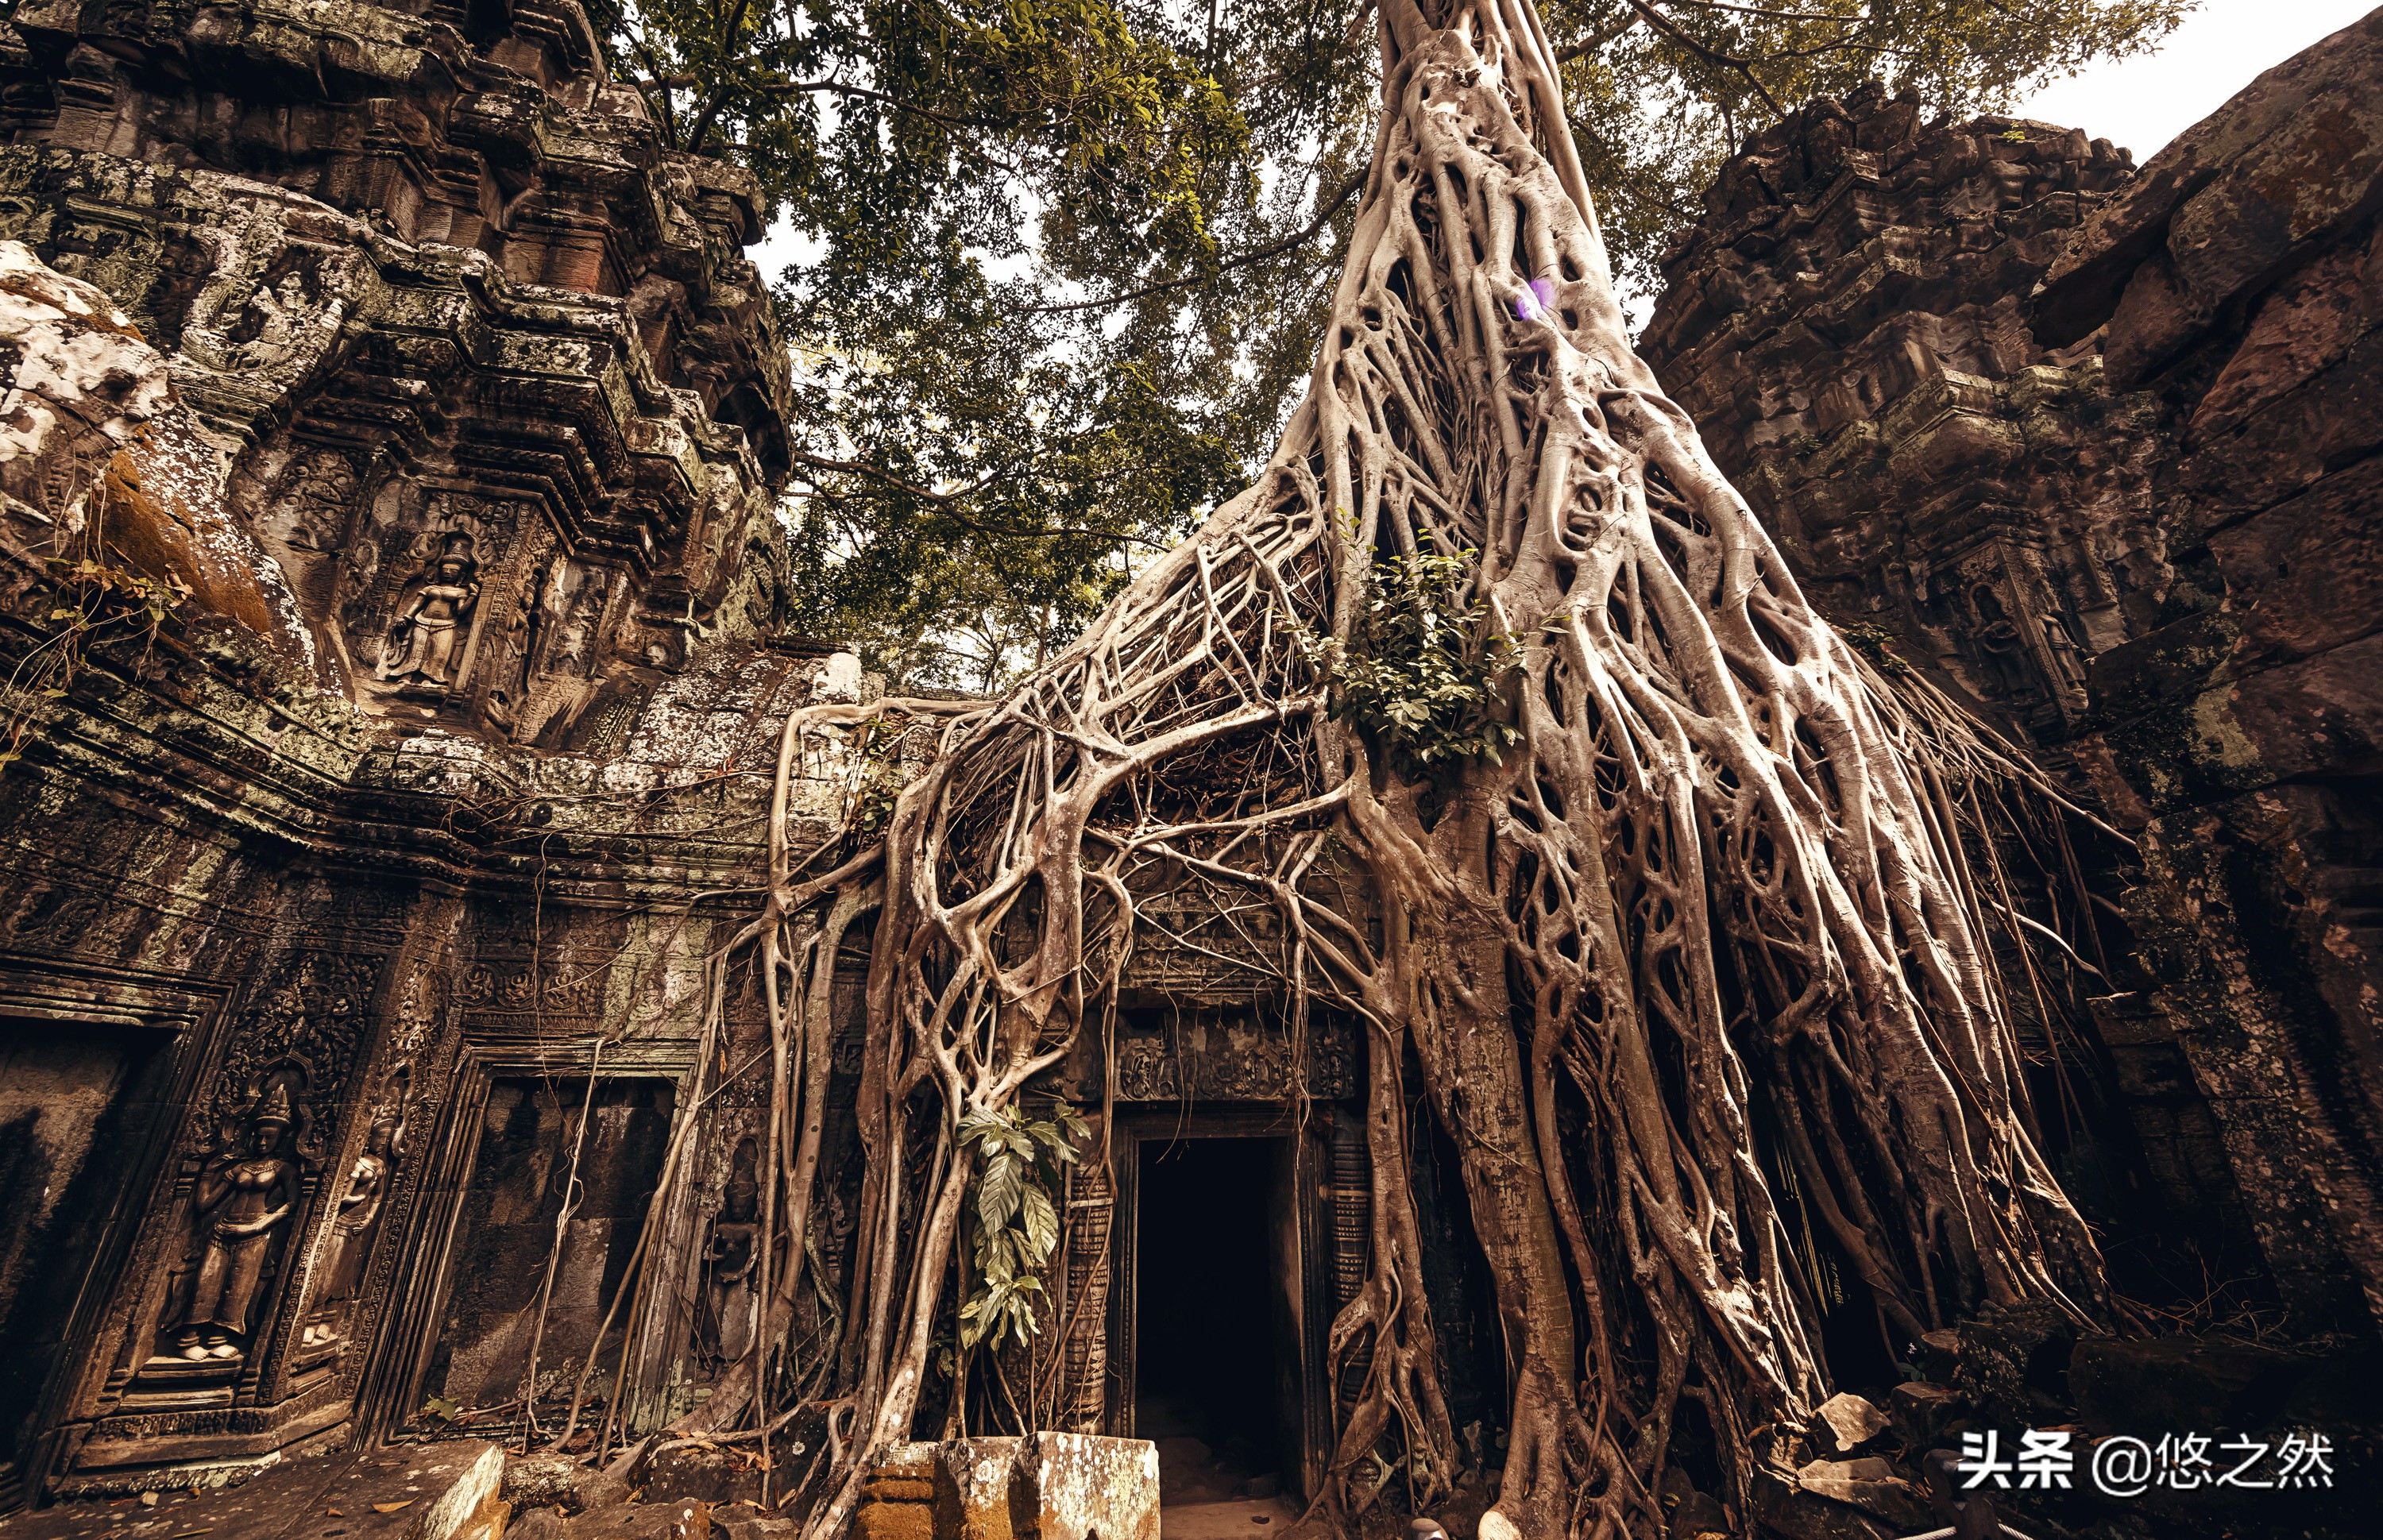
[1698, 969]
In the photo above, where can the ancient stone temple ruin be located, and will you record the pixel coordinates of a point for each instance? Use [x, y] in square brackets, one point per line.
[2097, 446]
[356, 915]
[453, 405]
[349, 940]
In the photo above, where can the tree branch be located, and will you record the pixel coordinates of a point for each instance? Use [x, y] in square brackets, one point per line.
[838, 88]
[1290, 242]
[873, 472]
[948, 502]
[1669, 29]
[704, 119]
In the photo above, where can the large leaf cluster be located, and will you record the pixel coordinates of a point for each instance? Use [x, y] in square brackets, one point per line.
[1014, 1219]
[1423, 670]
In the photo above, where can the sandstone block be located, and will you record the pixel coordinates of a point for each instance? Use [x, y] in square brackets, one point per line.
[1921, 1411]
[895, 1522]
[543, 1481]
[716, 1475]
[1076, 1486]
[471, 1503]
[972, 1488]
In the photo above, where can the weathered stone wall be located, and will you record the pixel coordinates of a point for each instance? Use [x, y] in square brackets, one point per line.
[1848, 327]
[438, 409]
[439, 294]
[2097, 447]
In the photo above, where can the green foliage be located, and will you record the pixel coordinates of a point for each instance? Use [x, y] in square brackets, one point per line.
[1422, 674]
[1872, 641]
[93, 601]
[1014, 1219]
[1059, 268]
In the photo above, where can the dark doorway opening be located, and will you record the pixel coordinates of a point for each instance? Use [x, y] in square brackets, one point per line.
[1216, 1363]
[77, 1105]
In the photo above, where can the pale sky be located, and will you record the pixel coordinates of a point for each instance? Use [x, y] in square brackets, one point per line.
[2145, 102]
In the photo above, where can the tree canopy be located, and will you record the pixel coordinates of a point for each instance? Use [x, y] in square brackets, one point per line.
[1061, 266]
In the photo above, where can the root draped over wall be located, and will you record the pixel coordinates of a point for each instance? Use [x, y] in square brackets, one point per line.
[1702, 967]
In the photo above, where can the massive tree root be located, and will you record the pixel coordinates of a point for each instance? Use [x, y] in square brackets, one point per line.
[1695, 974]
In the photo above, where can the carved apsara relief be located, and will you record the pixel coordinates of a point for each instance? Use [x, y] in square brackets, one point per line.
[412, 592]
[240, 1204]
[356, 1220]
[286, 1065]
[427, 633]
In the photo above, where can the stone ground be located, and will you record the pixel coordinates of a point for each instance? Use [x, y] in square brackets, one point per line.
[373, 1495]
[384, 1496]
[1203, 1496]
[1240, 1519]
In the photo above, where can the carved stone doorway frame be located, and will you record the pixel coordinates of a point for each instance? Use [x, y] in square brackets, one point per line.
[420, 1291]
[185, 1014]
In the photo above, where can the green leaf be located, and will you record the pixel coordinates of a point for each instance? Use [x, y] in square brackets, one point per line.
[997, 1258]
[998, 1190]
[1042, 1226]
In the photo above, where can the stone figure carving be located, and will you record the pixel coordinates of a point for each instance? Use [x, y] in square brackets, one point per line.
[725, 1330]
[537, 597]
[244, 1196]
[2002, 651]
[2068, 667]
[1233, 1057]
[313, 502]
[358, 564]
[425, 638]
[358, 1220]
[574, 648]
[278, 314]
[523, 632]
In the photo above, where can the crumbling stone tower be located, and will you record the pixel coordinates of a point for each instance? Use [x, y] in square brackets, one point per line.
[431, 277]
[2097, 447]
[439, 402]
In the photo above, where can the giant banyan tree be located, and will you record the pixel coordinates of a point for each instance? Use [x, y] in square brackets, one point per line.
[1681, 917]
